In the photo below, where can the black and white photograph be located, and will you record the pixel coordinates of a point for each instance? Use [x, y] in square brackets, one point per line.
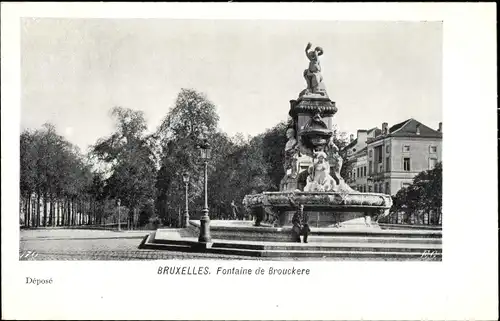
[239, 139]
[257, 146]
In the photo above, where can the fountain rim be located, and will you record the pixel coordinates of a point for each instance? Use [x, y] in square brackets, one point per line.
[342, 200]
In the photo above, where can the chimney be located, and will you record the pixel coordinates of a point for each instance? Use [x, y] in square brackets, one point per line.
[384, 128]
[362, 137]
[440, 128]
[351, 138]
[418, 129]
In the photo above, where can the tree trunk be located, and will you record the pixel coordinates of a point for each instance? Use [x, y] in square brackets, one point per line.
[37, 223]
[26, 211]
[45, 209]
[63, 212]
[51, 210]
[33, 210]
[92, 211]
[73, 212]
[58, 212]
[27, 219]
[68, 218]
[80, 212]
[84, 211]
[66, 210]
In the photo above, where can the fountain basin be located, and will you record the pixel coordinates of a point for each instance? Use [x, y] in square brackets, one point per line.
[321, 209]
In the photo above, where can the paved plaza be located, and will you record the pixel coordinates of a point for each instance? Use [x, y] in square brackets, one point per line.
[87, 245]
[76, 244]
[79, 244]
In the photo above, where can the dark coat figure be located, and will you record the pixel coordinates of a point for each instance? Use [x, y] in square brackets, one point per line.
[297, 224]
[305, 232]
[296, 229]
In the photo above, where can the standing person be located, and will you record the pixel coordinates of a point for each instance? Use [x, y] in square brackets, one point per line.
[235, 210]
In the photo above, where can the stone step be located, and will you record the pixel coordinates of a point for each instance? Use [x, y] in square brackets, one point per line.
[347, 250]
[167, 247]
[350, 247]
[366, 239]
[380, 255]
[378, 233]
[334, 238]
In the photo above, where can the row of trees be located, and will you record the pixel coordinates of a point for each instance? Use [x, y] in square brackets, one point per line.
[54, 177]
[61, 186]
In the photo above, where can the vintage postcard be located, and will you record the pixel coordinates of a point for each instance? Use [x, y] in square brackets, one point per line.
[247, 161]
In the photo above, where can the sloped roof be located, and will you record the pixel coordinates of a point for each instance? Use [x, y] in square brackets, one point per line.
[351, 144]
[408, 128]
[398, 126]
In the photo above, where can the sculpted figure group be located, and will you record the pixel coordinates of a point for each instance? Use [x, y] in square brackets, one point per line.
[291, 152]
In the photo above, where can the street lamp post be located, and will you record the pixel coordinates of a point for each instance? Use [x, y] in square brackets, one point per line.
[185, 219]
[119, 215]
[205, 219]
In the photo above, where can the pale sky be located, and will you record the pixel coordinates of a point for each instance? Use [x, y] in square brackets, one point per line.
[75, 70]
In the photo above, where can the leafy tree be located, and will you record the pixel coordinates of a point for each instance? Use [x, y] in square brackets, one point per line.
[192, 119]
[131, 159]
[424, 196]
[273, 142]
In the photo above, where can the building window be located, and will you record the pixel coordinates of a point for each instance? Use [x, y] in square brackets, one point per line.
[370, 153]
[387, 149]
[406, 148]
[369, 189]
[364, 188]
[388, 164]
[378, 153]
[354, 174]
[370, 167]
[375, 188]
[364, 171]
[433, 149]
[406, 164]
[387, 188]
[432, 163]
[357, 171]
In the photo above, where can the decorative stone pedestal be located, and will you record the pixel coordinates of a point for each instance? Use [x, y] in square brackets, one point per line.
[313, 117]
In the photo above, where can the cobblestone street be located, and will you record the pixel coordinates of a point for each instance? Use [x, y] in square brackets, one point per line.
[70, 245]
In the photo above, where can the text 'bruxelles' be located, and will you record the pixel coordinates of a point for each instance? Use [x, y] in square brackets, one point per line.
[205, 270]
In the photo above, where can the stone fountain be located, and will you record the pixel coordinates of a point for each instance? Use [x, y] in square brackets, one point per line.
[313, 200]
[313, 188]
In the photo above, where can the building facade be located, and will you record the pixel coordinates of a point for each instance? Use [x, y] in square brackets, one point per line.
[393, 156]
[357, 153]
